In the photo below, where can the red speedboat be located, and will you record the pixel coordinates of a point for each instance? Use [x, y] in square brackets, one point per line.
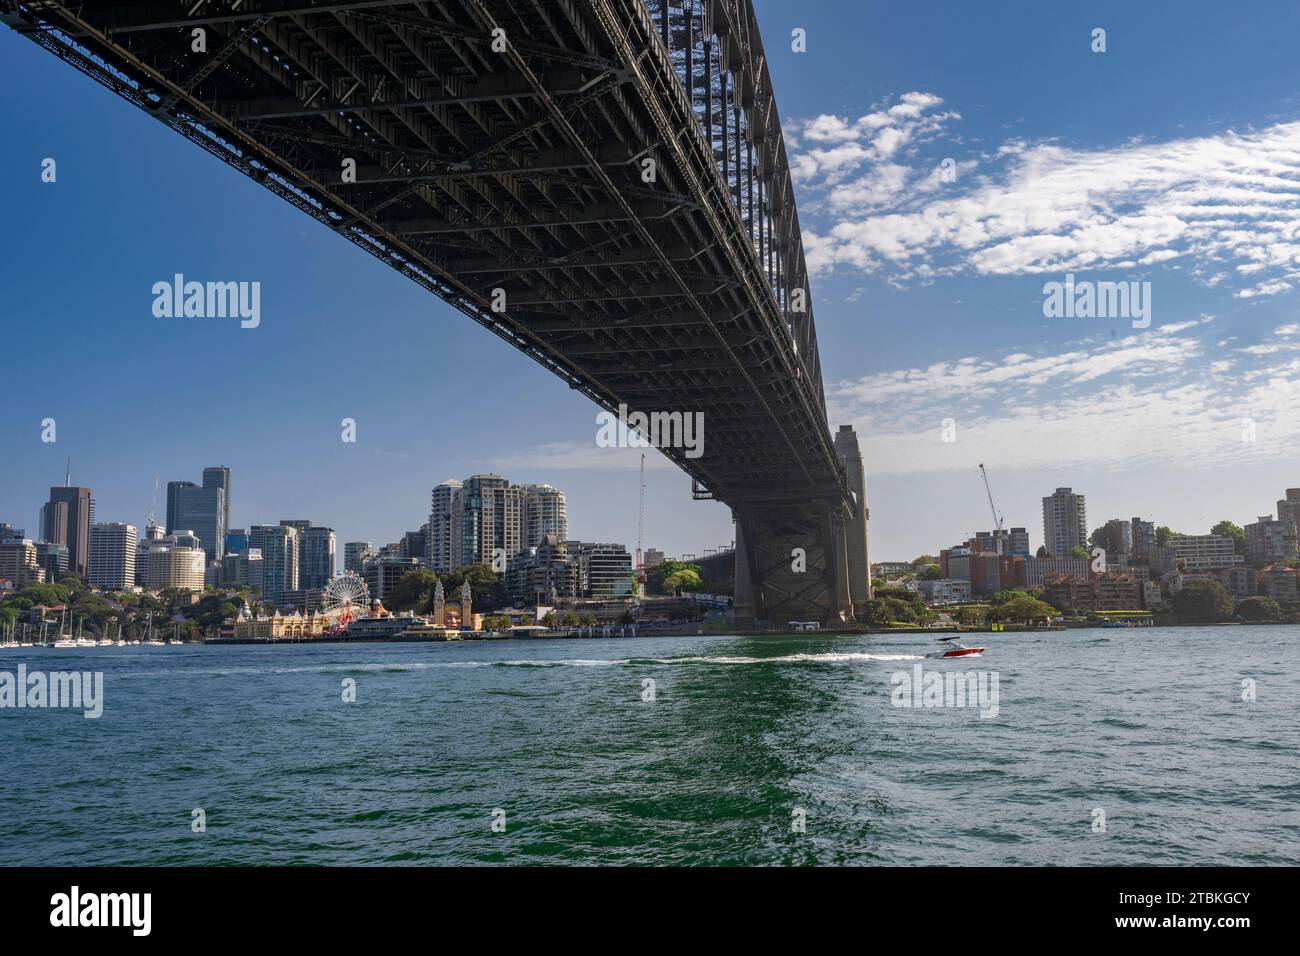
[958, 650]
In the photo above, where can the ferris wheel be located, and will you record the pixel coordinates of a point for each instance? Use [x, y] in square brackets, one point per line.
[344, 599]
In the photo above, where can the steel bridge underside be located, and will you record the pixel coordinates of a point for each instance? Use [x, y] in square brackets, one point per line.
[484, 168]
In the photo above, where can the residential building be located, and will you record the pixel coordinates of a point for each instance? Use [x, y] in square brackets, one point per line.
[944, 591]
[1116, 537]
[1241, 582]
[278, 545]
[66, 519]
[414, 544]
[1100, 592]
[1175, 581]
[442, 543]
[1288, 509]
[356, 554]
[491, 518]
[9, 533]
[112, 556]
[1203, 552]
[1037, 570]
[382, 572]
[1144, 538]
[545, 513]
[1279, 582]
[1269, 540]
[1065, 522]
[18, 562]
[603, 570]
[654, 556]
[317, 558]
[542, 574]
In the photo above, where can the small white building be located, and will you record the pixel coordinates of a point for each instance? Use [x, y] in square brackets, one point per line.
[945, 591]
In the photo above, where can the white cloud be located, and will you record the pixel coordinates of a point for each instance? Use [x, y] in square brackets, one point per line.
[1228, 204]
[1146, 399]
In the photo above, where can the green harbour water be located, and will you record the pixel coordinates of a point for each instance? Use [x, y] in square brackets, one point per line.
[745, 739]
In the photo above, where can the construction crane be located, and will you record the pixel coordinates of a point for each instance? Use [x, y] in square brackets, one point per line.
[640, 537]
[153, 507]
[997, 518]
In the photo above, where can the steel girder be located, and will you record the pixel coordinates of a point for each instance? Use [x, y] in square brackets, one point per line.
[520, 169]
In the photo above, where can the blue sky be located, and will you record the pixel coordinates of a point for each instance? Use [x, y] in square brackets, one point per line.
[1172, 158]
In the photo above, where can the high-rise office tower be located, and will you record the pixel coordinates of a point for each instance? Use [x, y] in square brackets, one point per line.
[174, 490]
[218, 476]
[317, 555]
[546, 512]
[54, 559]
[1065, 522]
[112, 556]
[279, 547]
[201, 509]
[66, 520]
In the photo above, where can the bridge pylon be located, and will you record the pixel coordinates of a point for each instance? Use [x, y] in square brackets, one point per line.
[805, 560]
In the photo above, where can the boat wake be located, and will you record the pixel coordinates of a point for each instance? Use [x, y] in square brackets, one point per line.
[842, 658]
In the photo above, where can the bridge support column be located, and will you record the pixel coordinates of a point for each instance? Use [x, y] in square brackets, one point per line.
[791, 565]
[855, 523]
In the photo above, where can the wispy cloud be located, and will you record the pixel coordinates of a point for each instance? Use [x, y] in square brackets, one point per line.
[1226, 207]
[1148, 399]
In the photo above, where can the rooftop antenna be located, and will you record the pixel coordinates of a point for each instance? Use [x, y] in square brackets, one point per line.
[67, 475]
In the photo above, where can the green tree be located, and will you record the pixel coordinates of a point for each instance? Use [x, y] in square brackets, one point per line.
[656, 576]
[1163, 534]
[486, 589]
[1259, 609]
[687, 579]
[1008, 594]
[930, 572]
[413, 591]
[1203, 601]
[1078, 552]
[587, 619]
[549, 619]
[923, 560]
[1024, 608]
[1235, 532]
[570, 619]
